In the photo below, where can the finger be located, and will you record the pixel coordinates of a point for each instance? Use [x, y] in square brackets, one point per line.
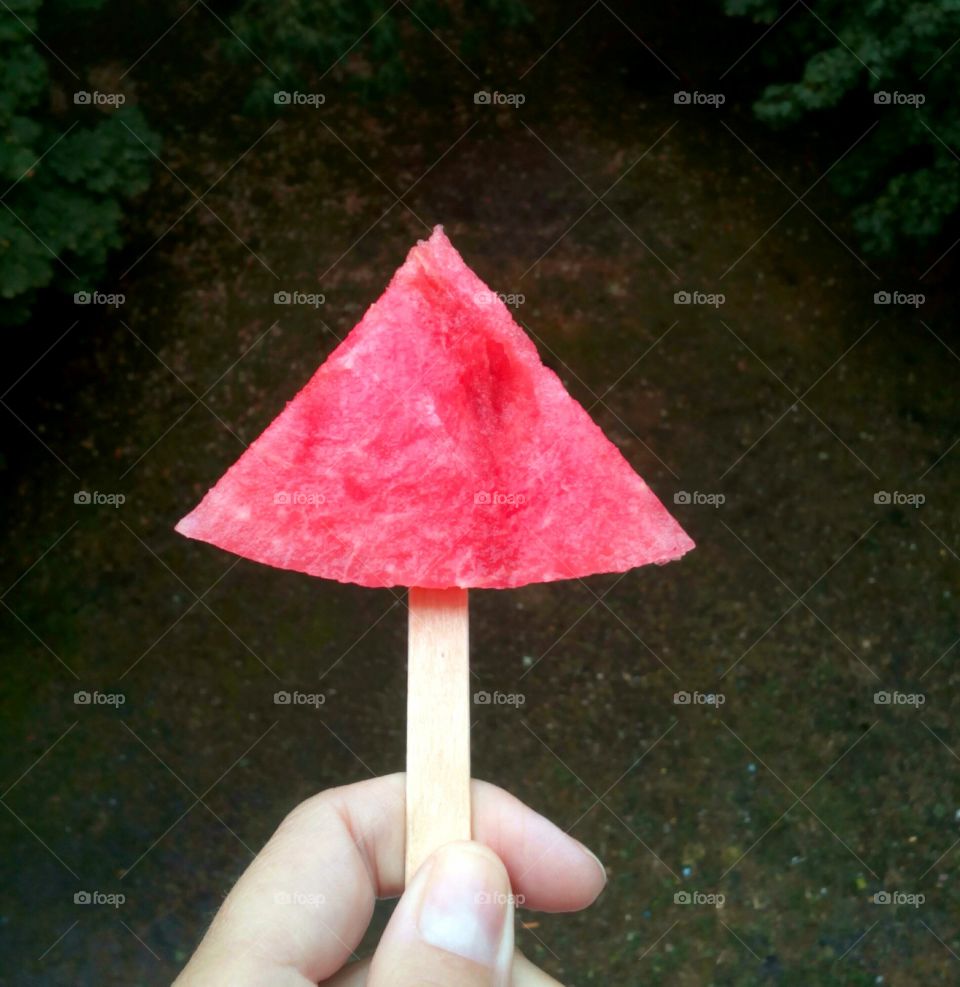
[550, 871]
[525, 974]
[453, 924]
[306, 900]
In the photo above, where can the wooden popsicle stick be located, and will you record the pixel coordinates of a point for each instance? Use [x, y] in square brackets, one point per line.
[438, 723]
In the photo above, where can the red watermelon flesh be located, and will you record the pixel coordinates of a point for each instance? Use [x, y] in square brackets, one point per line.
[434, 449]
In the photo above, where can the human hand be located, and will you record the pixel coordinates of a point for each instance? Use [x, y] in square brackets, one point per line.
[303, 905]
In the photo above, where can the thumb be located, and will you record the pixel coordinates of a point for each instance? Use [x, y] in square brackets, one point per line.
[453, 925]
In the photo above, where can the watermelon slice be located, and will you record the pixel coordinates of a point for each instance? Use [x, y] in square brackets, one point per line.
[434, 449]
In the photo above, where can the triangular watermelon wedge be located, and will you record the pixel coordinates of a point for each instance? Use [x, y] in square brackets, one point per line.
[434, 449]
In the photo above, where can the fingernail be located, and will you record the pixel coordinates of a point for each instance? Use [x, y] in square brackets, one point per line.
[467, 907]
[596, 859]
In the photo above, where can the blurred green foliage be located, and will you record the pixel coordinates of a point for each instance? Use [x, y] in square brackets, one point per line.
[65, 168]
[904, 179]
[361, 42]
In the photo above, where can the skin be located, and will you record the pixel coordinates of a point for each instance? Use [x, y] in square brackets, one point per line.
[303, 905]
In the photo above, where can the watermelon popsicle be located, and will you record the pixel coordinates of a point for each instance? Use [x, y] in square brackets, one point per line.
[433, 450]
